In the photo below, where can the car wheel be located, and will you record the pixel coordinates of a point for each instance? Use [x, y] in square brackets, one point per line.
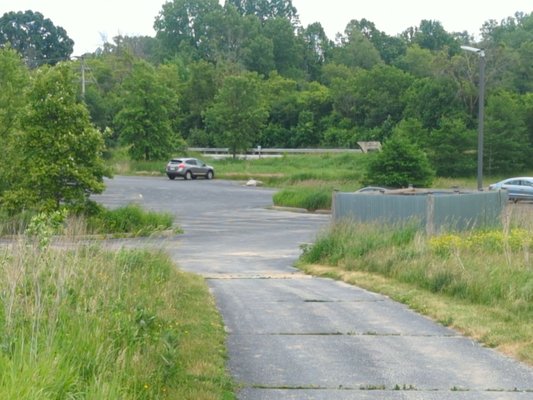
[171, 177]
[188, 175]
[210, 175]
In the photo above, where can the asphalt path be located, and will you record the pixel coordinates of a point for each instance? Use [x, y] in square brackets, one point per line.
[292, 336]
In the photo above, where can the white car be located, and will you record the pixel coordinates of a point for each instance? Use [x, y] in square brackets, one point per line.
[520, 188]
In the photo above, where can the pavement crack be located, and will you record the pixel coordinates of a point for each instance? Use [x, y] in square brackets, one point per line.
[232, 276]
[371, 333]
[372, 387]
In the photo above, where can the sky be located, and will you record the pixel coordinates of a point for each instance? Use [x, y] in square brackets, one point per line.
[92, 23]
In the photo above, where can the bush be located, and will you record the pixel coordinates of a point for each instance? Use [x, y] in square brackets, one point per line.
[400, 164]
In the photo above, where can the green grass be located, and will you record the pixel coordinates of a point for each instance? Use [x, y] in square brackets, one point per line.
[479, 282]
[85, 323]
[130, 220]
[310, 198]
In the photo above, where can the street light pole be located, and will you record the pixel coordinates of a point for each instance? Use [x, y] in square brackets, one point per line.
[481, 113]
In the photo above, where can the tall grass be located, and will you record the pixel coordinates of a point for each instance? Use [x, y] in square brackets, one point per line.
[483, 267]
[490, 268]
[310, 198]
[130, 219]
[85, 323]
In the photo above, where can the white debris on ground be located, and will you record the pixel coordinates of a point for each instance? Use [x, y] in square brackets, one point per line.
[253, 182]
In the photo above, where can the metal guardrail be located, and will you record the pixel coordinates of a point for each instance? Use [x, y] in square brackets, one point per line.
[257, 151]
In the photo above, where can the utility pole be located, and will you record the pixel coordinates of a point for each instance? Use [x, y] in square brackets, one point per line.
[481, 112]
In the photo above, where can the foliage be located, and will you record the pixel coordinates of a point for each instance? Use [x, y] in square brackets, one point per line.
[267, 9]
[14, 79]
[452, 148]
[130, 220]
[143, 121]
[506, 136]
[238, 113]
[59, 159]
[35, 37]
[400, 164]
[185, 25]
[154, 93]
[86, 323]
[431, 35]
[43, 225]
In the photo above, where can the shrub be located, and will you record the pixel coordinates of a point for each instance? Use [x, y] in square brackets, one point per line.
[400, 164]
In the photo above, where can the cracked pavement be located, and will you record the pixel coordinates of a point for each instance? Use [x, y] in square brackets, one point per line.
[292, 336]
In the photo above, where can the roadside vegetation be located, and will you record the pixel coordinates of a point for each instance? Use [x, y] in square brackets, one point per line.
[81, 322]
[127, 221]
[478, 282]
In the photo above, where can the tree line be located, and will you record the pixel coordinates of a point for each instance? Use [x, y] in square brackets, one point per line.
[247, 73]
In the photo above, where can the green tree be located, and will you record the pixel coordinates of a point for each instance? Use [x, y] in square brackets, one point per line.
[389, 48]
[267, 9]
[143, 121]
[35, 37]
[280, 96]
[431, 35]
[400, 164]
[356, 50]
[258, 55]
[238, 113]
[452, 148]
[528, 105]
[372, 99]
[287, 49]
[429, 100]
[197, 94]
[14, 80]
[506, 137]
[317, 49]
[417, 61]
[60, 161]
[185, 26]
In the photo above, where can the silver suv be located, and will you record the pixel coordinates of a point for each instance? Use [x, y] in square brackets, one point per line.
[189, 168]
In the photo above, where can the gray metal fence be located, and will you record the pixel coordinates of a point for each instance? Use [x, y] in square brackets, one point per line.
[434, 212]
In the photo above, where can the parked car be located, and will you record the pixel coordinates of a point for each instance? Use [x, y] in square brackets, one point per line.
[189, 168]
[520, 188]
[372, 190]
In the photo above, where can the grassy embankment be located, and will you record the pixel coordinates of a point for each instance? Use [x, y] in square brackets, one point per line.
[479, 282]
[80, 322]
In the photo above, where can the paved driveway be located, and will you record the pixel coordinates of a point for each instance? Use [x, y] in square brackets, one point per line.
[291, 336]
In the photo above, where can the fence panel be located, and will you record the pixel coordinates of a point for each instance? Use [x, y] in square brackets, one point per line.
[434, 212]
